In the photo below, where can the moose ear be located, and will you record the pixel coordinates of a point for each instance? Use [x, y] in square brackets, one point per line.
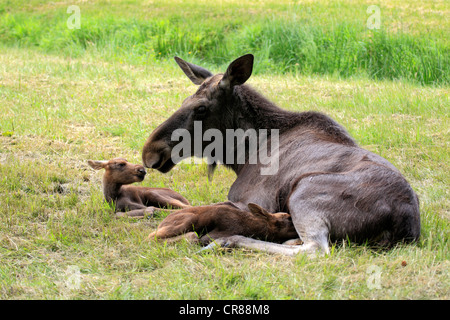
[97, 165]
[255, 209]
[211, 168]
[238, 72]
[195, 73]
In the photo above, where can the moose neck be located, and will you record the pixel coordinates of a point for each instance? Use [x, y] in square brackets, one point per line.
[258, 112]
[252, 111]
[111, 191]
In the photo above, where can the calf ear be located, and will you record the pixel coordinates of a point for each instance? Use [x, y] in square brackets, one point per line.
[97, 165]
[255, 209]
[238, 72]
[195, 73]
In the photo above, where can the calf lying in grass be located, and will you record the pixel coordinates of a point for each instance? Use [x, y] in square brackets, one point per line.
[136, 200]
[207, 223]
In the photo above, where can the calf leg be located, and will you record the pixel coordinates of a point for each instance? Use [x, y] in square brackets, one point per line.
[147, 212]
[191, 237]
[164, 200]
[138, 213]
[174, 225]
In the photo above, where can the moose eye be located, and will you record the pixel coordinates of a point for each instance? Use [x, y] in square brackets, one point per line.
[200, 110]
[121, 165]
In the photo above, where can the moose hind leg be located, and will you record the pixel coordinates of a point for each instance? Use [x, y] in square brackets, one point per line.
[313, 232]
[310, 217]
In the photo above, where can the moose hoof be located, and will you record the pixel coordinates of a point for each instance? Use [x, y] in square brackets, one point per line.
[230, 242]
[121, 214]
[149, 212]
[293, 242]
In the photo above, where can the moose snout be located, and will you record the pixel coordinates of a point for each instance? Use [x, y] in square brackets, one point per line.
[152, 160]
[153, 153]
[141, 171]
[157, 155]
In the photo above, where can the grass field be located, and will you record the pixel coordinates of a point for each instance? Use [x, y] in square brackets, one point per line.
[97, 92]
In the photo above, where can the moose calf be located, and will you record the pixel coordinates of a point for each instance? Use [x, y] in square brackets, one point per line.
[206, 223]
[136, 200]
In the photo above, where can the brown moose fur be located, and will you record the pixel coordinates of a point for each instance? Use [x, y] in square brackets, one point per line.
[207, 223]
[332, 188]
[138, 201]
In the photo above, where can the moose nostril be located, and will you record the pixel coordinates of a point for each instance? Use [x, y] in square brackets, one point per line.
[142, 170]
[157, 164]
[152, 160]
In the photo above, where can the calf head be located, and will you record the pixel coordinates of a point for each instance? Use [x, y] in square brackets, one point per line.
[281, 221]
[119, 170]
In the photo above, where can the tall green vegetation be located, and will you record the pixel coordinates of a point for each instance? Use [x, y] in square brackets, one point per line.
[281, 42]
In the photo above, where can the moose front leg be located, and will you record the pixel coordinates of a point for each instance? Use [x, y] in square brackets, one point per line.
[167, 200]
[144, 212]
[238, 241]
[138, 213]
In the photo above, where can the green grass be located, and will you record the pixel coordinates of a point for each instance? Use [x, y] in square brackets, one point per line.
[63, 105]
[294, 37]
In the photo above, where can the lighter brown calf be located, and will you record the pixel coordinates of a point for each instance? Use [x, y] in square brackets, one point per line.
[137, 201]
[206, 223]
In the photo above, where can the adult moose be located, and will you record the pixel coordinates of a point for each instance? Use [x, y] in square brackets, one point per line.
[332, 188]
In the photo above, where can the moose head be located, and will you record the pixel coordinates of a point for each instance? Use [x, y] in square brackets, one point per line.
[215, 105]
